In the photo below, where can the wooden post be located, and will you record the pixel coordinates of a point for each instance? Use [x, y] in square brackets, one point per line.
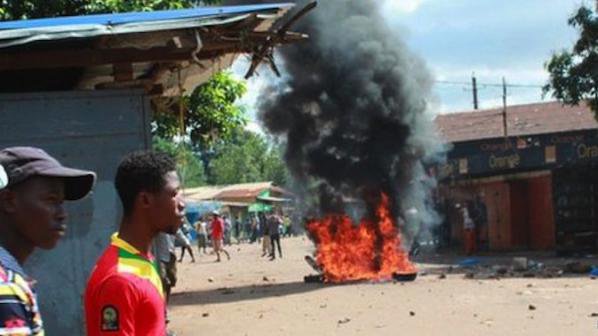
[475, 91]
[504, 107]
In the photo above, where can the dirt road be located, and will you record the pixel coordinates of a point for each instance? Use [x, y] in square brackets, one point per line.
[250, 295]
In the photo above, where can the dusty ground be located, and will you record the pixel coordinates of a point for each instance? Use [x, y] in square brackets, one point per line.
[250, 295]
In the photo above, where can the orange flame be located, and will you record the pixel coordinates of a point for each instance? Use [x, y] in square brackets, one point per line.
[370, 251]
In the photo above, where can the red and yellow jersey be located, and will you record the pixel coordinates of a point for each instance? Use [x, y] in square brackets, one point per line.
[124, 294]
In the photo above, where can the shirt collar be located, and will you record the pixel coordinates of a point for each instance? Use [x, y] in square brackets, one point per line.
[121, 243]
[8, 261]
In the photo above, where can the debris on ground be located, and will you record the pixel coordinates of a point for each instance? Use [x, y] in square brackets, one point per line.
[469, 262]
[411, 313]
[519, 264]
[265, 278]
[345, 320]
[205, 314]
[578, 267]
[313, 263]
[531, 307]
[442, 276]
[522, 267]
[500, 270]
[210, 279]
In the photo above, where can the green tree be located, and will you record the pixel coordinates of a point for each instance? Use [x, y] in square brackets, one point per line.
[248, 157]
[189, 166]
[210, 112]
[574, 74]
[274, 167]
[30, 9]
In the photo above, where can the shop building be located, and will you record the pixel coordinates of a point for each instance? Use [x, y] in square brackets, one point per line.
[533, 172]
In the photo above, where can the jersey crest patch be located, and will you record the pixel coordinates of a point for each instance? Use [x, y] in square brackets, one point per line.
[110, 319]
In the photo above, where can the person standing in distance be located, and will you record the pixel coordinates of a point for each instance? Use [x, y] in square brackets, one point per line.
[218, 235]
[34, 187]
[124, 295]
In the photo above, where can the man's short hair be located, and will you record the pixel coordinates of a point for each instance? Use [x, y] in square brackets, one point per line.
[141, 171]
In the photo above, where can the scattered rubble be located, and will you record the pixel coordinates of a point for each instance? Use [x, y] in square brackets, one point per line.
[578, 267]
[523, 267]
[520, 264]
[345, 320]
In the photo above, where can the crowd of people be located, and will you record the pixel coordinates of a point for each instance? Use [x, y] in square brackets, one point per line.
[217, 231]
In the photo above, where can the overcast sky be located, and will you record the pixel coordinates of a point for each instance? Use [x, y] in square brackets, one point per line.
[491, 38]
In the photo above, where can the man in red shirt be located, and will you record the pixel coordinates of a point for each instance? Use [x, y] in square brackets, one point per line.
[218, 235]
[124, 295]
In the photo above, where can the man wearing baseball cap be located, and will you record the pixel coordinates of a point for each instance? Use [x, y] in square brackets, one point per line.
[33, 188]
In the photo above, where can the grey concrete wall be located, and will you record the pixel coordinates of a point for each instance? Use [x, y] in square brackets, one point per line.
[90, 130]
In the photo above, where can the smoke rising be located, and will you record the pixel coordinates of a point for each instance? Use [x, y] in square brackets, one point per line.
[353, 112]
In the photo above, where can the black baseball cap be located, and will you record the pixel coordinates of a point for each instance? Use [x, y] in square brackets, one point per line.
[21, 163]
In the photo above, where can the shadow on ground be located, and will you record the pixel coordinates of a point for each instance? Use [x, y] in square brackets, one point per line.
[244, 293]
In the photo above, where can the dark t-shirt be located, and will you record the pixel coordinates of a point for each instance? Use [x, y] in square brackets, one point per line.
[274, 223]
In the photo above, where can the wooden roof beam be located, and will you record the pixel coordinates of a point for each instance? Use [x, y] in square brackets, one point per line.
[62, 58]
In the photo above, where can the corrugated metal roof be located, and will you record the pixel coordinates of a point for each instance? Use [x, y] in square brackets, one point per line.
[243, 190]
[202, 193]
[227, 191]
[26, 31]
[529, 119]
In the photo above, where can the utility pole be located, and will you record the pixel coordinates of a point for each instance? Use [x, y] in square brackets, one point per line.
[475, 91]
[504, 106]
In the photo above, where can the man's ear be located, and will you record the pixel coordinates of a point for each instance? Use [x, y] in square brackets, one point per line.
[145, 199]
[8, 201]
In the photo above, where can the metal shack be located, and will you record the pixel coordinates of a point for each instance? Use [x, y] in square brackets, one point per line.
[84, 89]
[536, 178]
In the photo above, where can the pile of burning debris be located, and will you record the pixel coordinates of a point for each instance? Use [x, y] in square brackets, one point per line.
[353, 113]
[370, 251]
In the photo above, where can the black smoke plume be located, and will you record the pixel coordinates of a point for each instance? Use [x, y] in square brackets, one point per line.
[353, 111]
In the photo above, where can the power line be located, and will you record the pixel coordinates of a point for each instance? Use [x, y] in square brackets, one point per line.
[500, 85]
